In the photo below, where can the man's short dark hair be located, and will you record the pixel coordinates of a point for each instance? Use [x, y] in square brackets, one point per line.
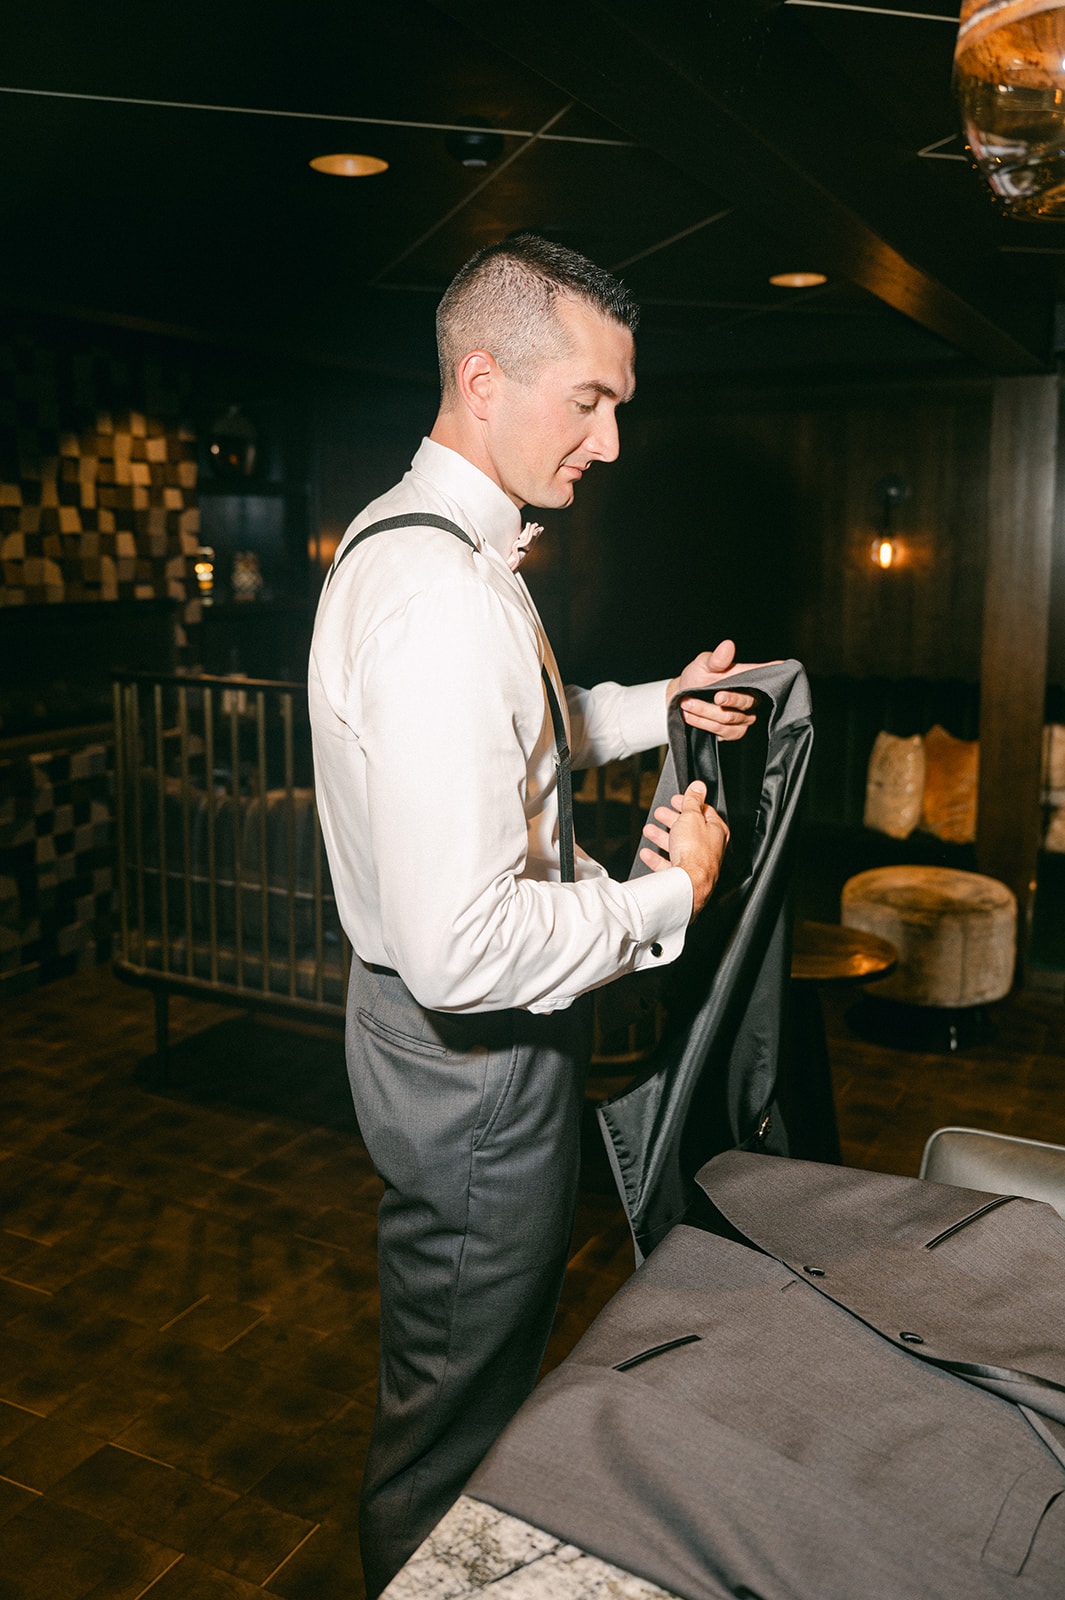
[504, 301]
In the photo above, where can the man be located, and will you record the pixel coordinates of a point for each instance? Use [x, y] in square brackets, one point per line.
[436, 780]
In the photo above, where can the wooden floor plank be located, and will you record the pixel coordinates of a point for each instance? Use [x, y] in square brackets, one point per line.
[241, 1183]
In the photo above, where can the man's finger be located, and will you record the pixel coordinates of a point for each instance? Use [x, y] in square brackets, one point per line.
[694, 796]
[652, 859]
[712, 718]
[731, 708]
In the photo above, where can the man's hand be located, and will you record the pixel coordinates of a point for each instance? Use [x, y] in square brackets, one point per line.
[728, 715]
[695, 837]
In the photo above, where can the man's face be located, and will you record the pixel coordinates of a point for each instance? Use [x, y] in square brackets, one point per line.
[541, 436]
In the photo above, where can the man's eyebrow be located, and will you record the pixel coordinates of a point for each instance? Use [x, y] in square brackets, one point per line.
[593, 386]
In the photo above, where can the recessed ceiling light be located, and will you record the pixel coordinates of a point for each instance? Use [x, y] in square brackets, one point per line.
[349, 166]
[798, 280]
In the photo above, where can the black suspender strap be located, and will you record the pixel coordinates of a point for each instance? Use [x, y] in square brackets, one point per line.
[422, 519]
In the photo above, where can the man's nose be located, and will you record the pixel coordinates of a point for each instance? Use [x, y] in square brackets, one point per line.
[603, 440]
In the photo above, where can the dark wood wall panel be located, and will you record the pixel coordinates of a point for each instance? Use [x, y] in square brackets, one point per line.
[758, 522]
[1023, 461]
[921, 617]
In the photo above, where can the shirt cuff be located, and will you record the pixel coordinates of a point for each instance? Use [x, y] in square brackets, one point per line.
[643, 715]
[663, 902]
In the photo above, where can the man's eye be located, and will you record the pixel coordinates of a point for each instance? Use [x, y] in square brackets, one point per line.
[585, 409]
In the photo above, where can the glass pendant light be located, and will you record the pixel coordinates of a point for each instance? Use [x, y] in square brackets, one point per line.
[1009, 72]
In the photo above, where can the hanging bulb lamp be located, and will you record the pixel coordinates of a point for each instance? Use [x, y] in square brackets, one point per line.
[1009, 75]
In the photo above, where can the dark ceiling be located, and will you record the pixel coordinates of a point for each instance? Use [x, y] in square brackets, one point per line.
[698, 149]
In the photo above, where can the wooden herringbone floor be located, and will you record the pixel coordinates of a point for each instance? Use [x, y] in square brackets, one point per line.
[187, 1298]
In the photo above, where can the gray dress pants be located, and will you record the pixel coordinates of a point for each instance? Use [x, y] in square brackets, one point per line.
[473, 1122]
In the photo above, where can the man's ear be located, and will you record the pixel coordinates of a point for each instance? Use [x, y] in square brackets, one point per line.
[477, 376]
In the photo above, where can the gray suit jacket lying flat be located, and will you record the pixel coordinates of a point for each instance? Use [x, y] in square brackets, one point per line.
[857, 1395]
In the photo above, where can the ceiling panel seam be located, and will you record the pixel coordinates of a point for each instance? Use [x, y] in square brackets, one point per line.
[500, 166]
[674, 238]
[875, 11]
[323, 116]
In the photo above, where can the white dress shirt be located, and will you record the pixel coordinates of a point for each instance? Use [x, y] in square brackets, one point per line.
[435, 771]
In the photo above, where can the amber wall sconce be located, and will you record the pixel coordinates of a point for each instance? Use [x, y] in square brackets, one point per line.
[204, 570]
[890, 493]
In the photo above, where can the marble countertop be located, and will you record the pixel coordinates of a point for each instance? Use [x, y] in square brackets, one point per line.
[475, 1547]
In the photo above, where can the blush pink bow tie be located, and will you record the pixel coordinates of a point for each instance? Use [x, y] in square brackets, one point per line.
[523, 543]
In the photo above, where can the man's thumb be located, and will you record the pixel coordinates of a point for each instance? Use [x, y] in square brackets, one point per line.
[721, 657]
[694, 796]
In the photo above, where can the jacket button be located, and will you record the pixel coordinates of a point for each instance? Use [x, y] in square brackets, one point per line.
[911, 1338]
[815, 1272]
[656, 949]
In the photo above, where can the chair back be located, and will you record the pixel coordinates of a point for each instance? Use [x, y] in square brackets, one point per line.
[996, 1163]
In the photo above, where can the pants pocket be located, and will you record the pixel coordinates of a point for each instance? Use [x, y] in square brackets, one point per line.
[400, 1040]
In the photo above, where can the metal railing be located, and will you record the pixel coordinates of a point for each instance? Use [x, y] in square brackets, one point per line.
[223, 885]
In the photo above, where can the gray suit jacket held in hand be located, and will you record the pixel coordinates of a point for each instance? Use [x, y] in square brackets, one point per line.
[858, 1394]
[714, 1080]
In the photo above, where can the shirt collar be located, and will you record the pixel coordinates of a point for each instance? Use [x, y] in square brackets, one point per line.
[488, 513]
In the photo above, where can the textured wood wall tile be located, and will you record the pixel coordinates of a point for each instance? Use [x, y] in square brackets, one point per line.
[97, 472]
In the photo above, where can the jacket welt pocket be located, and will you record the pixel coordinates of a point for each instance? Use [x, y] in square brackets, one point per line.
[397, 1039]
[966, 1222]
[1020, 1514]
[655, 1350]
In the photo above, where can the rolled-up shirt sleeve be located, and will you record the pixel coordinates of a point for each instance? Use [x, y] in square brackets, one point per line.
[455, 741]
